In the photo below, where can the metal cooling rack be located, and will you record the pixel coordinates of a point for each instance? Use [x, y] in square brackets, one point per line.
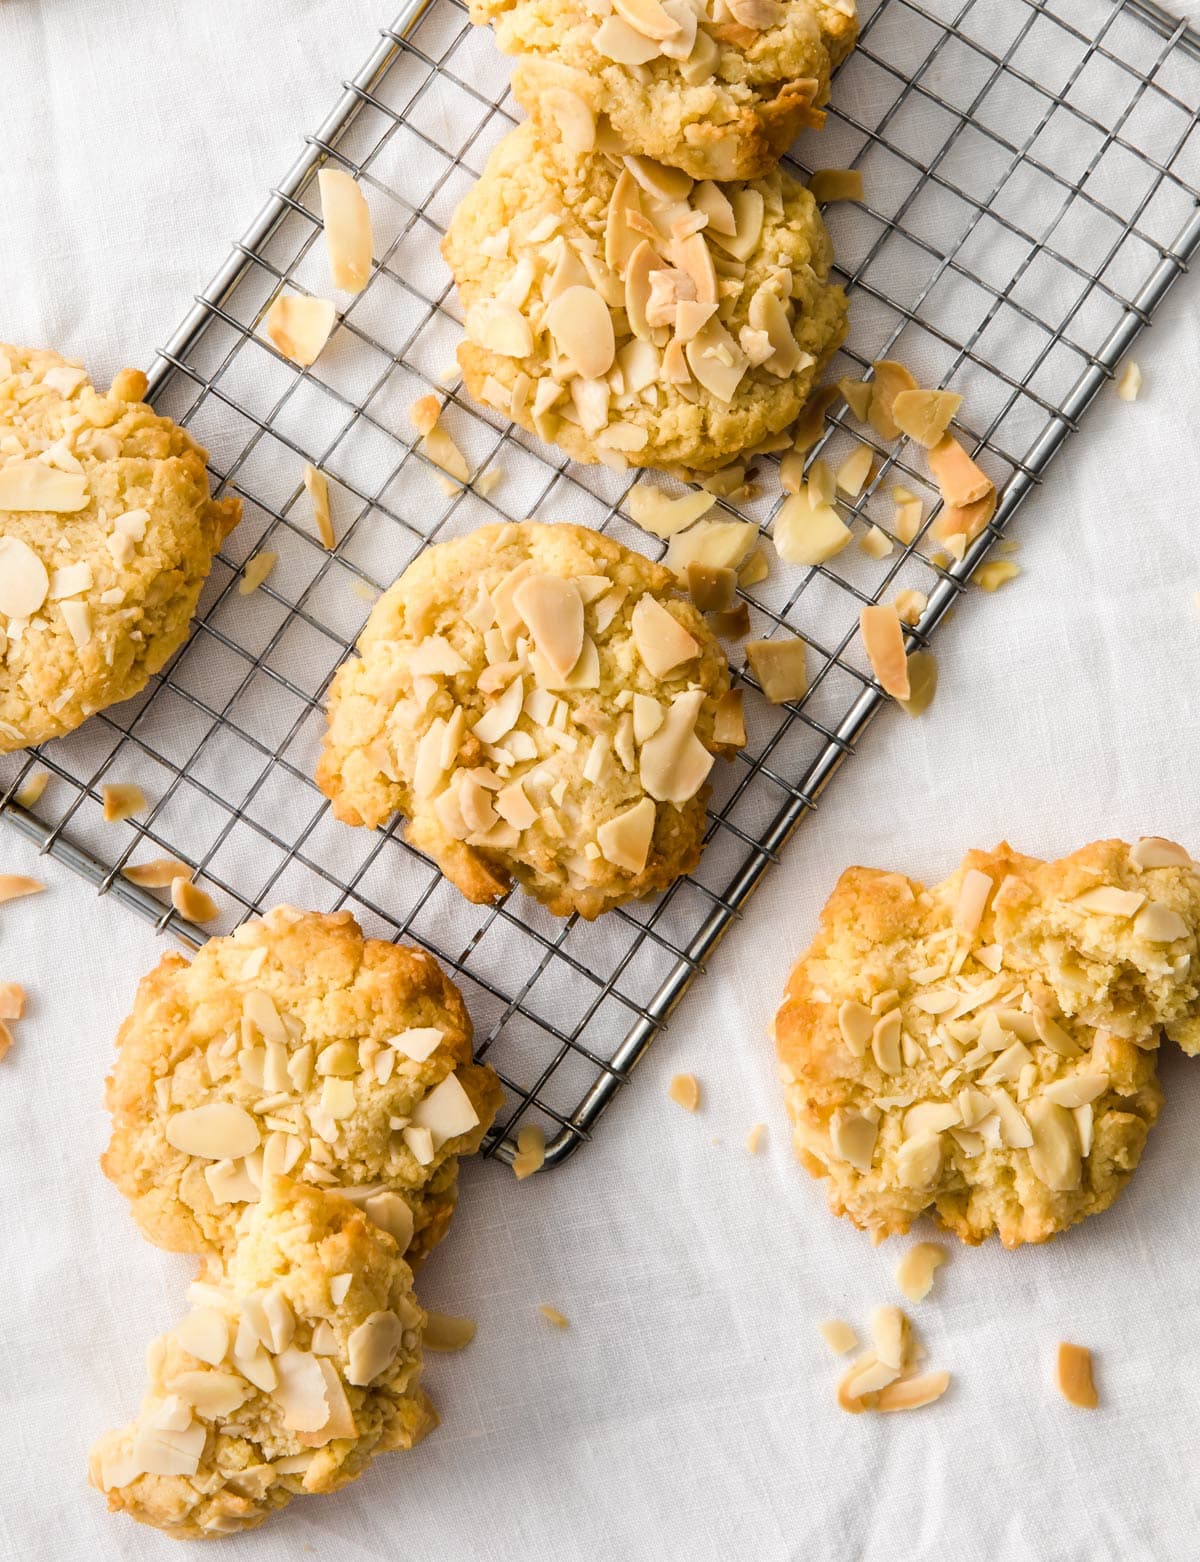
[1032, 171]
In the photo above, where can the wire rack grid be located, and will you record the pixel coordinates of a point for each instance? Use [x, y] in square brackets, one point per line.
[1032, 171]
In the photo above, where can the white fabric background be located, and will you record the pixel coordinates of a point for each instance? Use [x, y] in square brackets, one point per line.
[688, 1412]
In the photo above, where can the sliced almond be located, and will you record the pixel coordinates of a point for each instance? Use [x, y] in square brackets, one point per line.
[372, 1347]
[647, 17]
[78, 619]
[684, 1090]
[810, 425]
[919, 1161]
[157, 874]
[553, 613]
[499, 327]
[616, 40]
[256, 570]
[29, 793]
[655, 512]
[915, 1271]
[553, 1316]
[581, 325]
[674, 764]
[959, 525]
[204, 1333]
[856, 1023]
[446, 1112]
[712, 590]
[1155, 851]
[748, 212]
[912, 1393]
[755, 570]
[875, 543]
[122, 800]
[1015, 1131]
[299, 326]
[1129, 381]
[996, 573]
[191, 902]
[959, 480]
[165, 1451]
[883, 641]
[444, 453]
[661, 640]
[779, 668]
[14, 885]
[972, 900]
[925, 415]
[858, 394]
[1077, 1089]
[445, 1332]
[922, 682]
[716, 360]
[531, 1152]
[317, 487]
[347, 221]
[34, 486]
[1109, 901]
[625, 839]
[1158, 924]
[1054, 1155]
[12, 1001]
[838, 1335]
[710, 544]
[808, 533]
[1073, 1375]
[854, 471]
[733, 623]
[853, 1139]
[729, 725]
[890, 1336]
[571, 116]
[836, 184]
[754, 1138]
[890, 380]
[930, 1117]
[217, 1131]
[24, 582]
[869, 1375]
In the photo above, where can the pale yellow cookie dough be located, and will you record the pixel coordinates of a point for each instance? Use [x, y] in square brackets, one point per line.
[633, 317]
[720, 88]
[295, 1046]
[107, 533]
[539, 703]
[984, 1050]
[297, 1365]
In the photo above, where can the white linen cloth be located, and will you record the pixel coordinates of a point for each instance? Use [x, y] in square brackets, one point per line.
[688, 1412]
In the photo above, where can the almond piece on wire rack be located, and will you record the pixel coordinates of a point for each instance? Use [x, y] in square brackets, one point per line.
[836, 184]
[255, 571]
[316, 485]
[29, 793]
[347, 219]
[191, 901]
[553, 1316]
[531, 1152]
[299, 326]
[122, 799]
[883, 640]
[160, 873]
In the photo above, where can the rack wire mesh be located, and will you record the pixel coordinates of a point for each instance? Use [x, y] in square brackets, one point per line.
[1032, 170]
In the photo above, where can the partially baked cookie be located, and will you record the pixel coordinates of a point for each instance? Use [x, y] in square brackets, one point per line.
[296, 1366]
[633, 317]
[295, 1046]
[107, 533]
[985, 1049]
[540, 704]
[719, 88]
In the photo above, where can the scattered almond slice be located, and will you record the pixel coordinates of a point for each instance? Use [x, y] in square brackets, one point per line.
[552, 1315]
[299, 326]
[1129, 382]
[883, 640]
[876, 544]
[729, 725]
[24, 581]
[754, 571]
[910, 512]
[915, 1271]
[808, 533]
[662, 516]
[711, 589]
[661, 640]
[1074, 1376]
[714, 544]
[912, 1393]
[444, 453]
[29, 793]
[486, 483]
[910, 605]
[838, 1335]
[445, 1332]
[531, 1152]
[733, 623]
[347, 229]
[890, 380]
[317, 487]
[159, 874]
[960, 482]
[684, 1090]
[925, 415]
[12, 1000]
[958, 525]
[6, 1040]
[122, 800]
[858, 394]
[34, 486]
[810, 425]
[922, 682]
[854, 472]
[191, 901]
[779, 668]
[256, 571]
[15, 885]
[754, 1138]
[996, 573]
[625, 839]
[836, 184]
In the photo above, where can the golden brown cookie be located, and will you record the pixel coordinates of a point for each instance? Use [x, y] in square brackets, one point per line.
[720, 88]
[295, 1046]
[297, 1365]
[539, 703]
[107, 533]
[634, 317]
[985, 1049]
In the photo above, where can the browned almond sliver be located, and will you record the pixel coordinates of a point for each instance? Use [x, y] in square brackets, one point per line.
[158, 874]
[256, 571]
[924, 415]
[1074, 1376]
[891, 380]
[443, 452]
[754, 1138]
[14, 885]
[836, 184]
[711, 588]
[960, 482]
[838, 1335]
[810, 425]
[531, 1152]
[684, 1090]
[191, 901]
[316, 485]
[965, 521]
[734, 623]
[347, 229]
[122, 800]
[445, 1332]
[996, 573]
[1130, 382]
[858, 394]
[12, 1000]
[6, 1040]
[912, 1393]
[922, 683]
[299, 326]
[915, 1271]
[29, 793]
[883, 639]
[552, 1315]
[729, 725]
[778, 665]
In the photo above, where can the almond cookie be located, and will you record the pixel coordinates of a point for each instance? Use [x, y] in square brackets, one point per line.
[719, 88]
[540, 705]
[636, 318]
[985, 1049]
[107, 533]
[296, 1046]
[296, 1366]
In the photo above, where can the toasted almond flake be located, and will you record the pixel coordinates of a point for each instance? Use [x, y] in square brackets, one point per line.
[734, 623]
[853, 1139]
[876, 544]
[552, 1315]
[29, 793]
[684, 1090]
[808, 533]
[1129, 381]
[299, 326]
[34, 486]
[890, 1336]
[625, 839]
[711, 588]
[810, 425]
[972, 900]
[162, 1451]
[347, 221]
[925, 415]
[1155, 851]
[445, 1332]
[716, 360]
[14, 885]
[754, 571]
[779, 668]
[372, 1347]
[890, 380]
[6, 1040]
[838, 1335]
[729, 725]
[204, 1333]
[443, 452]
[912, 1393]
[317, 487]
[70, 580]
[754, 1138]
[854, 471]
[531, 1152]
[447, 1111]
[1073, 1375]
[661, 640]
[922, 682]
[674, 764]
[868, 1375]
[122, 800]
[1108, 901]
[191, 902]
[857, 394]
[883, 640]
[856, 1023]
[836, 184]
[710, 544]
[1077, 1089]
[256, 571]
[552, 610]
[158, 873]
[12, 1000]
[915, 1271]
[581, 325]
[996, 573]
[960, 482]
[1158, 924]
[959, 525]
[217, 1131]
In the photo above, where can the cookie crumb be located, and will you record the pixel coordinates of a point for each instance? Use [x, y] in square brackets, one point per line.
[552, 1315]
[122, 800]
[838, 1335]
[915, 1271]
[684, 1090]
[29, 793]
[445, 1332]
[1074, 1376]
[256, 571]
